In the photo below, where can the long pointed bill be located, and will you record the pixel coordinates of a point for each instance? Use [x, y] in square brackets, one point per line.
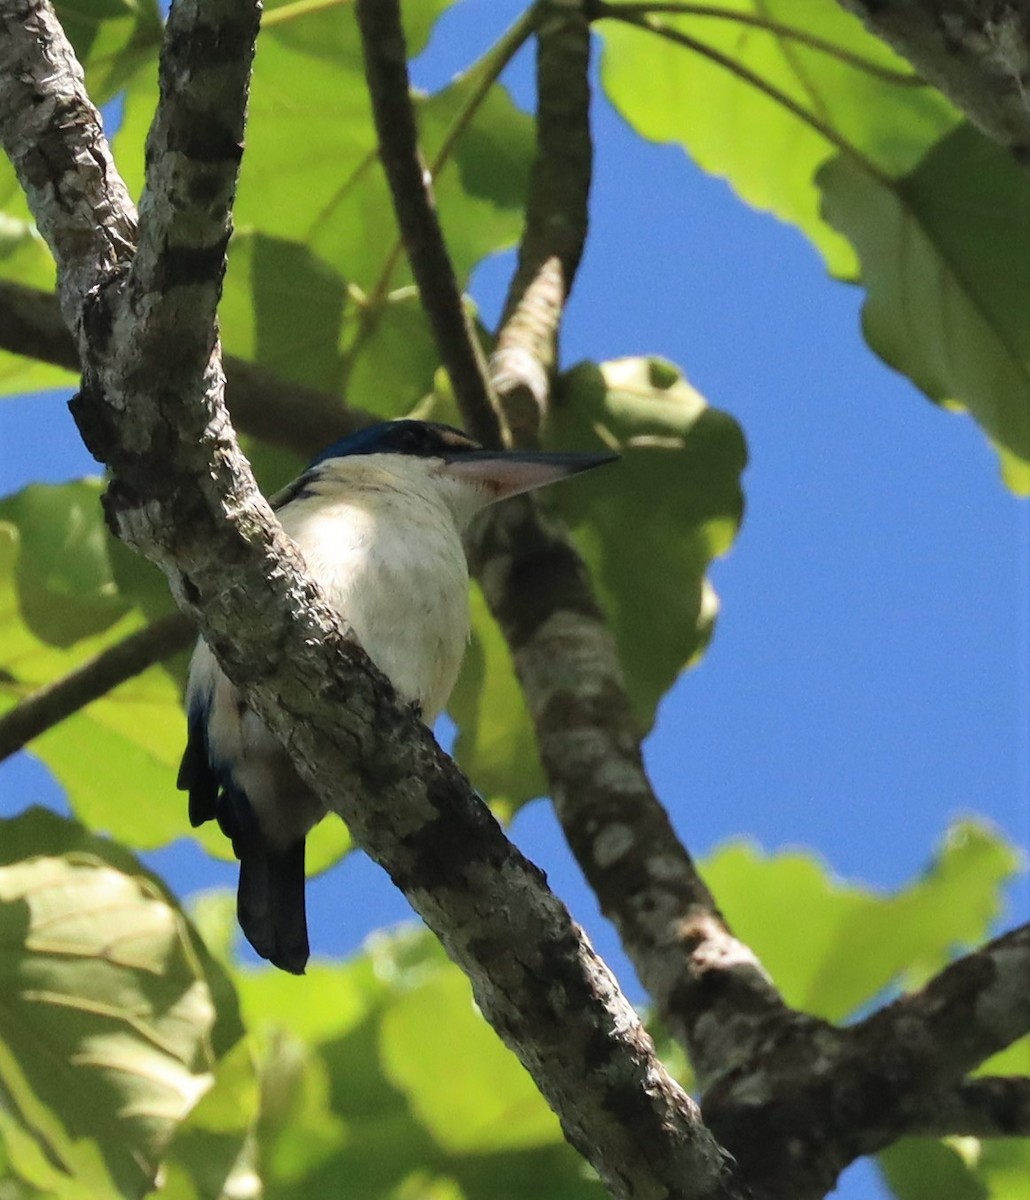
[508, 472]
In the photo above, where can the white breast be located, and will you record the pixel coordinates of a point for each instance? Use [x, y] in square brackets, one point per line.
[391, 561]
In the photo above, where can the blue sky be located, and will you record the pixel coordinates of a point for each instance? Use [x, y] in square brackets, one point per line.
[869, 680]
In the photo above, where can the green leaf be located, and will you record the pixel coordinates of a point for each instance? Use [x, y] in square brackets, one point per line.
[775, 108]
[283, 307]
[65, 584]
[491, 1104]
[832, 948]
[114, 1014]
[496, 743]
[364, 1090]
[298, 1131]
[390, 354]
[212, 1151]
[926, 1169]
[678, 478]
[945, 256]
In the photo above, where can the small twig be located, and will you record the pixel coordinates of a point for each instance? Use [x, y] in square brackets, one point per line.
[485, 72]
[62, 697]
[602, 8]
[386, 69]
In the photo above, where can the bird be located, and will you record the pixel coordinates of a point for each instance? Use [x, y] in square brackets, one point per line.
[378, 518]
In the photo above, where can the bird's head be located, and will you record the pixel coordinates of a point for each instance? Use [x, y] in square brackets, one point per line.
[467, 477]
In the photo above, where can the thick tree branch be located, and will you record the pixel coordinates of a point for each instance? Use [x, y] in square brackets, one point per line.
[709, 988]
[976, 51]
[540, 593]
[55, 140]
[556, 222]
[813, 1097]
[386, 68]
[288, 414]
[182, 492]
[990, 1106]
[55, 701]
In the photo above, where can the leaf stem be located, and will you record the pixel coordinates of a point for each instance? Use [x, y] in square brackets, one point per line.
[620, 9]
[778, 96]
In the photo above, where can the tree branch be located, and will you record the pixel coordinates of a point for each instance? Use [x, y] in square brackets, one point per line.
[812, 1097]
[989, 1106]
[293, 416]
[386, 68]
[975, 1007]
[92, 679]
[540, 593]
[976, 51]
[55, 141]
[556, 223]
[182, 492]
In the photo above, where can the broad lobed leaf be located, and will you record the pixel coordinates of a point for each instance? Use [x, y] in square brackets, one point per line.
[833, 948]
[809, 116]
[114, 1015]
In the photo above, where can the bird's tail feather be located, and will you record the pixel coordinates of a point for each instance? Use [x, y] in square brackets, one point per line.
[270, 904]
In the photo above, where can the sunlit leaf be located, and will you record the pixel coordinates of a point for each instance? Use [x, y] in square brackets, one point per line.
[282, 307]
[111, 39]
[64, 580]
[365, 1090]
[496, 742]
[926, 1169]
[945, 257]
[212, 1153]
[492, 1103]
[847, 943]
[114, 1015]
[765, 110]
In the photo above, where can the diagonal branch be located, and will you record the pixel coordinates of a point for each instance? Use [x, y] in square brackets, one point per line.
[293, 416]
[709, 988]
[61, 698]
[182, 492]
[971, 1010]
[989, 1106]
[813, 1097]
[386, 68]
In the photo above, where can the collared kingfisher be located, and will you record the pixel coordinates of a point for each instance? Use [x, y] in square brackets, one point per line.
[378, 518]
